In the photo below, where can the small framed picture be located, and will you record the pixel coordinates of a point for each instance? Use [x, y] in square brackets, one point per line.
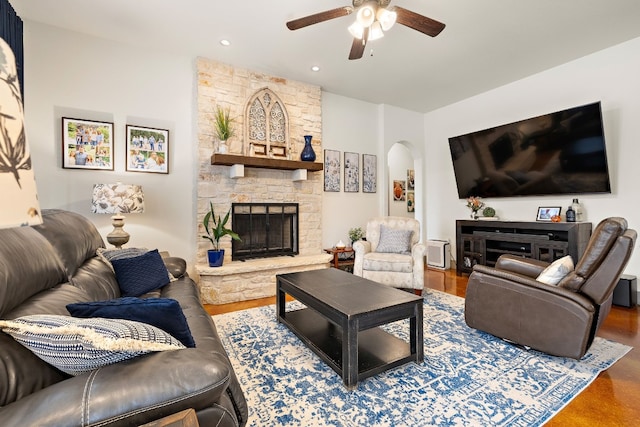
[411, 201]
[369, 173]
[399, 187]
[351, 172]
[331, 170]
[87, 144]
[147, 149]
[546, 213]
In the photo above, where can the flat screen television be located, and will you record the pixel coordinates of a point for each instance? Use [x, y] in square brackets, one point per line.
[557, 153]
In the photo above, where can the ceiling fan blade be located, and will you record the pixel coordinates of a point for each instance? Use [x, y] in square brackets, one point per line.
[319, 17]
[358, 45]
[418, 22]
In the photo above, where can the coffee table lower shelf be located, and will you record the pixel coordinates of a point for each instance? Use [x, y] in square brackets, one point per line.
[378, 350]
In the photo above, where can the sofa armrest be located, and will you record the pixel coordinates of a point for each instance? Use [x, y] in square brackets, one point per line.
[360, 248]
[418, 252]
[526, 266]
[176, 266]
[127, 393]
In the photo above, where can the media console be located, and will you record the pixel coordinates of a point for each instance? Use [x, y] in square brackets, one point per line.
[482, 242]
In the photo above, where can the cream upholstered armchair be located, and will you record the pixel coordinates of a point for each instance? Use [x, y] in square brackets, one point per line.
[392, 254]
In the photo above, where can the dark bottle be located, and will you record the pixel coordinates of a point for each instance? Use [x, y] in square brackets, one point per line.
[571, 215]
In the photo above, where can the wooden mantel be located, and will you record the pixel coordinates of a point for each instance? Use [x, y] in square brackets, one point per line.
[264, 162]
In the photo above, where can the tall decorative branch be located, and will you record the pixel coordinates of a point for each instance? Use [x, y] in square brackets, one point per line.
[13, 154]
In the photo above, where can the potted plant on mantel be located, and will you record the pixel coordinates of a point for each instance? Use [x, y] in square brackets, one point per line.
[223, 127]
[216, 228]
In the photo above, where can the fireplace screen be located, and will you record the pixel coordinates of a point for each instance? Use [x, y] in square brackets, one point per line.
[266, 230]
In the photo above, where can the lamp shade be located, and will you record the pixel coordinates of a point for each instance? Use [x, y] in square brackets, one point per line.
[117, 199]
[17, 181]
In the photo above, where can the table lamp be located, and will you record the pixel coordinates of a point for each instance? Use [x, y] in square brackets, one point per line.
[117, 199]
[18, 193]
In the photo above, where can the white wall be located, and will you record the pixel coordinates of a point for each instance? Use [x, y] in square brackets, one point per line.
[349, 125]
[72, 75]
[361, 127]
[609, 76]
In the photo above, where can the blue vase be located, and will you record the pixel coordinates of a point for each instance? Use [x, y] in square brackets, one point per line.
[308, 155]
[215, 257]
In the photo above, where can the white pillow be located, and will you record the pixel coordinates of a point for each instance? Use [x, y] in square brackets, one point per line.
[556, 271]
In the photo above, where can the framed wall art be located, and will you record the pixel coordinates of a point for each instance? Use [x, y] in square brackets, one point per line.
[351, 172]
[547, 213]
[399, 187]
[369, 173]
[411, 178]
[147, 149]
[87, 144]
[331, 170]
[411, 201]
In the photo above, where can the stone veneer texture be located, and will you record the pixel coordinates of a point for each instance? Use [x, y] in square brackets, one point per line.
[229, 87]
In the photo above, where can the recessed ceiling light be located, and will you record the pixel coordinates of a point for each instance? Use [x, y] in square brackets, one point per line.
[225, 42]
[315, 68]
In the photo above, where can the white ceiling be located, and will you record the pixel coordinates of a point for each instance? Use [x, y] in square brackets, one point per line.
[486, 43]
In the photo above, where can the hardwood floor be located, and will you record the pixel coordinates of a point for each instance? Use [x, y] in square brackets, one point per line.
[613, 399]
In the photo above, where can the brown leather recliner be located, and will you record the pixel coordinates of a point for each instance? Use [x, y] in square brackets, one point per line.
[507, 301]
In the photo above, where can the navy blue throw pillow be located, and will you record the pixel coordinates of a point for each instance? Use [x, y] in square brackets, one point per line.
[141, 274]
[163, 313]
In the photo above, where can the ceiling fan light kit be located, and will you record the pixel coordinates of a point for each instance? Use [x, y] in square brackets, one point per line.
[375, 32]
[373, 18]
[356, 30]
[386, 18]
[366, 14]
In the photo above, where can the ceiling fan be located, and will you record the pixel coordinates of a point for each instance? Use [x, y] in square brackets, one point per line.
[373, 18]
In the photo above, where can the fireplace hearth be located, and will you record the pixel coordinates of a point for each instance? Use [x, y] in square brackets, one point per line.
[266, 230]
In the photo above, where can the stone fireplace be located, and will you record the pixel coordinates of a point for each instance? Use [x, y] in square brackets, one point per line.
[254, 277]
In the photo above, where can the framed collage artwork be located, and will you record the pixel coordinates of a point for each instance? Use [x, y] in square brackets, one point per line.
[147, 149]
[87, 144]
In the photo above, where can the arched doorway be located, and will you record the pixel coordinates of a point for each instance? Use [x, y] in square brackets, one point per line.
[401, 184]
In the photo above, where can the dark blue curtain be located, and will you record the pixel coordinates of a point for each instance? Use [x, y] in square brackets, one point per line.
[11, 32]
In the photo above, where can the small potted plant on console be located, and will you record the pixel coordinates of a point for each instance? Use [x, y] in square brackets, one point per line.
[216, 228]
[355, 234]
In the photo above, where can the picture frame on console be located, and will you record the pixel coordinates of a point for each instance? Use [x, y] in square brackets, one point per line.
[545, 213]
[87, 144]
[147, 149]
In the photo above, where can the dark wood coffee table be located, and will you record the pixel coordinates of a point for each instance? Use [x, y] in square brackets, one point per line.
[342, 319]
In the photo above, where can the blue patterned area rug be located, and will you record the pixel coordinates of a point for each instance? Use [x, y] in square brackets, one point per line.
[468, 378]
